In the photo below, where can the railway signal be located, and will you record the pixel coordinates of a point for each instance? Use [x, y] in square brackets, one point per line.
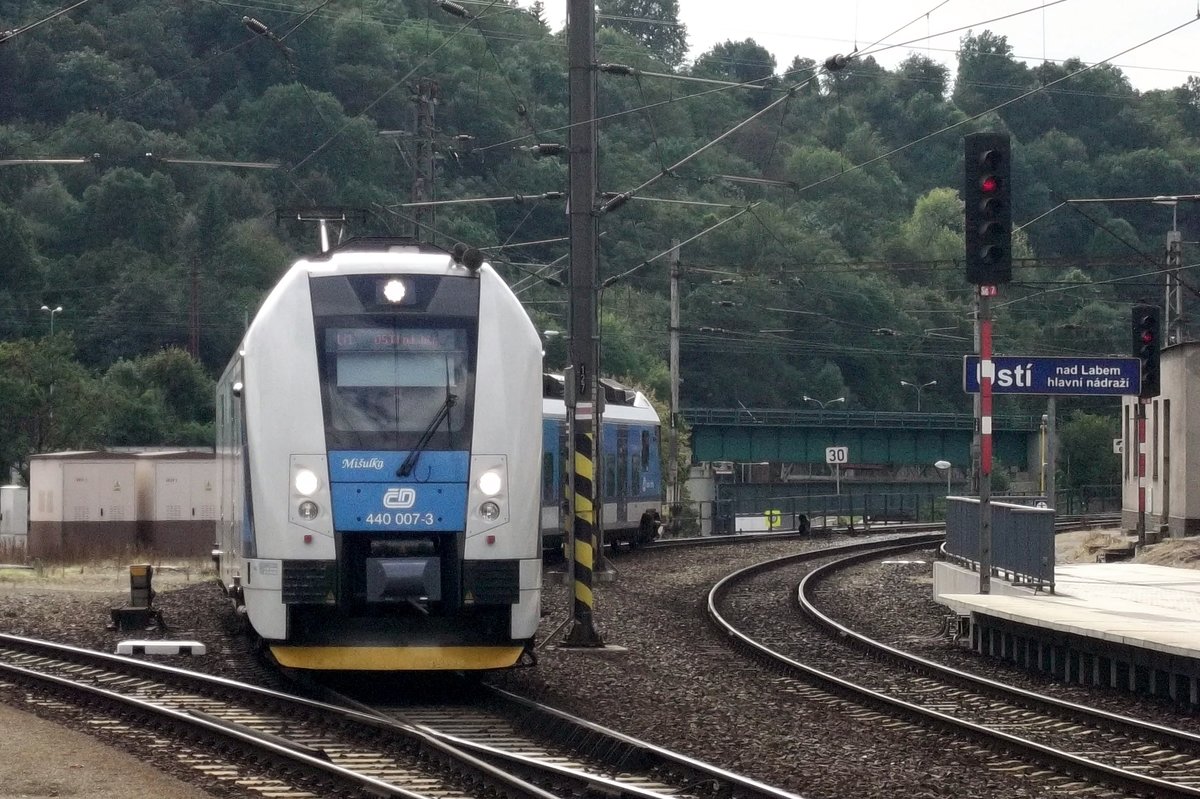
[988, 211]
[1147, 343]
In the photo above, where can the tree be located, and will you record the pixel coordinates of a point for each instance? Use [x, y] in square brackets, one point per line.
[20, 273]
[127, 205]
[47, 400]
[653, 23]
[987, 73]
[745, 61]
[919, 73]
[935, 231]
[1089, 466]
[537, 10]
[164, 398]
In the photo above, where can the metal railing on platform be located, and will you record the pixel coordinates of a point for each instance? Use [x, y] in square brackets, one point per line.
[1022, 540]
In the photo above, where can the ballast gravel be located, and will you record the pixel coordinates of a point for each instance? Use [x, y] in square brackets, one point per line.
[666, 676]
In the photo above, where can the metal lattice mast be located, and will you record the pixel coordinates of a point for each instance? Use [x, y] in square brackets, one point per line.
[1173, 305]
[425, 99]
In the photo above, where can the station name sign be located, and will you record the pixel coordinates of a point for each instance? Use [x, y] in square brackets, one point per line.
[1092, 377]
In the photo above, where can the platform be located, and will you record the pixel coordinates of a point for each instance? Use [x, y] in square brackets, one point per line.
[1124, 625]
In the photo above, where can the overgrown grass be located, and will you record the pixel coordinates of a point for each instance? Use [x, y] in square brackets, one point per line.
[114, 572]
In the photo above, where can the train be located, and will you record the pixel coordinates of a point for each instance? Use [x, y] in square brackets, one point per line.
[631, 476]
[377, 440]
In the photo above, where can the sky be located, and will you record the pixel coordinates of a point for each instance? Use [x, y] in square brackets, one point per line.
[1091, 30]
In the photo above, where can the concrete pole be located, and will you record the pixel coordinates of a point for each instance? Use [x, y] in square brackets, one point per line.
[673, 465]
[986, 373]
[1051, 452]
[583, 413]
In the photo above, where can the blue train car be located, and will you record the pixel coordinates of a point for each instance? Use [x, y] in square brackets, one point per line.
[631, 474]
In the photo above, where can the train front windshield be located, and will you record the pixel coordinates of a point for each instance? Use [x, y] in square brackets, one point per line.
[387, 386]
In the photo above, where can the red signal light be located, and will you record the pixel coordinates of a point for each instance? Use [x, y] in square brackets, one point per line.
[989, 184]
[1147, 337]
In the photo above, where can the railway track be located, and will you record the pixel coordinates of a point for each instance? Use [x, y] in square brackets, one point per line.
[282, 745]
[246, 737]
[533, 740]
[1088, 752]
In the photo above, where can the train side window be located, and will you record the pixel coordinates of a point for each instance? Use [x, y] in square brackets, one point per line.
[548, 485]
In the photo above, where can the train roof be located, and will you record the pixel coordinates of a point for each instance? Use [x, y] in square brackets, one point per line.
[376, 244]
[555, 387]
[368, 254]
[620, 401]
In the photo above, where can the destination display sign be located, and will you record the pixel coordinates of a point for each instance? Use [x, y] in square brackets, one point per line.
[1093, 377]
[386, 339]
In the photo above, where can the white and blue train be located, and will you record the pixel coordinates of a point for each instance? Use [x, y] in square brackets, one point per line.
[378, 434]
[631, 475]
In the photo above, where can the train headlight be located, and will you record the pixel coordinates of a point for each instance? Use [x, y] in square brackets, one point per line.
[394, 291]
[306, 482]
[490, 483]
[308, 510]
[490, 511]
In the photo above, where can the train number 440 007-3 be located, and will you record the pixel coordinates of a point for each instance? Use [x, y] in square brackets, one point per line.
[401, 519]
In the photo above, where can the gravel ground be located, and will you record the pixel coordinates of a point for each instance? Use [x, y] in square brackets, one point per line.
[676, 683]
[680, 685]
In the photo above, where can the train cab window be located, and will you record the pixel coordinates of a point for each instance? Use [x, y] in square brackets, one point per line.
[645, 449]
[394, 382]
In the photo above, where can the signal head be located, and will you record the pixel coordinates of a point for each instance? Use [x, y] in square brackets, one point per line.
[1146, 347]
[987, 205]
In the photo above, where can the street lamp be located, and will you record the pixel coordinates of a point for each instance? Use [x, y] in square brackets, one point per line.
[919, 387]
[824, 404]
[944, 466]
[52, 312]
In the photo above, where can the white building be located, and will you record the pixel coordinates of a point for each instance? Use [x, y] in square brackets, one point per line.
[1172, 449]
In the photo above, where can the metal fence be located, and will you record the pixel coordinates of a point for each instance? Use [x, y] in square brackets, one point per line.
[1022, 540]
[744, 513]
[753, 514]
[1089, 499]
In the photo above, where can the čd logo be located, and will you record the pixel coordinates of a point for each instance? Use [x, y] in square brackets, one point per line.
[399, 498]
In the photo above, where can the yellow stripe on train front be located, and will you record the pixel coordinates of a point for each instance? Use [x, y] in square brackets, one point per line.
[396, 658]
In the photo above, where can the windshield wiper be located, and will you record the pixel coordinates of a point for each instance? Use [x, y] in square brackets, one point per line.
[410, 462]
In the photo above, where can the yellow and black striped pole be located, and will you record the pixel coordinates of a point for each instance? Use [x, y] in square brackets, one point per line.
[583, 402]
[583, 631]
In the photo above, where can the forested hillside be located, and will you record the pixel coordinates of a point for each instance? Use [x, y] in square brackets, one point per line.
[839, 276]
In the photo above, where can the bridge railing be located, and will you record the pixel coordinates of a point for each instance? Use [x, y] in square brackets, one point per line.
[1022, 540]
[795, 417]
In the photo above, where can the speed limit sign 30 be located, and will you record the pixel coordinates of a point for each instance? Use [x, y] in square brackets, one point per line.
[837, 455]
